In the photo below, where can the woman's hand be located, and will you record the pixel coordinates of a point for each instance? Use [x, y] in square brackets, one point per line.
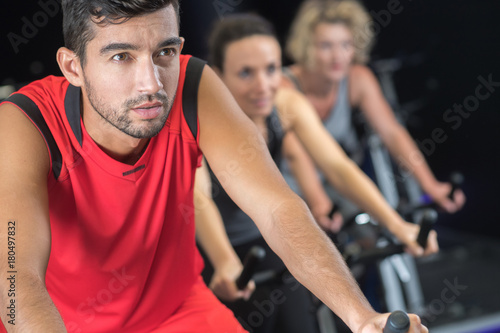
[321, 211]
[407, 233]
[223, 283]
[439, 192]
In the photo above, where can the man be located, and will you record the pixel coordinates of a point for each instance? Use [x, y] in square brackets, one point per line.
[97, 196]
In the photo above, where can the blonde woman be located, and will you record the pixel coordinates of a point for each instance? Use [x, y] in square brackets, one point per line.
[330, 42]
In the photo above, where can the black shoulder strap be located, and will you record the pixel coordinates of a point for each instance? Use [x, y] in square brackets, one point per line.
[33, 112]
[289, 74]
[190, 93]
[275, 136]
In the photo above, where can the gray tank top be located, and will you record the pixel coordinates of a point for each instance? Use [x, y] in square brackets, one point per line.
[339, 124]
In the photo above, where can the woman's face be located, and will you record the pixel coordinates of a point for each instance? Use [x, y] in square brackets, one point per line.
[252, 72]
[333, 50]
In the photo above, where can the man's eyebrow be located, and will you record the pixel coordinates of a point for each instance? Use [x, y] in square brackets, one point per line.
[127, 46]
[170, 42]
[117, 46]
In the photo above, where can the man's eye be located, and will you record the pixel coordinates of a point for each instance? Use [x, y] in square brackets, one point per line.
[168, 52]
[120, 57]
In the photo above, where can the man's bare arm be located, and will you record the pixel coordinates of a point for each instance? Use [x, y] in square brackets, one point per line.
[24, 202]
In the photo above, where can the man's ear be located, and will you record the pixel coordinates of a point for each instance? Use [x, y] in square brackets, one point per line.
[70, 66]
[182, 44]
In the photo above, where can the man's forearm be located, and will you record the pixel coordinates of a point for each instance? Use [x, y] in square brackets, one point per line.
[313, 259]
[32, 309]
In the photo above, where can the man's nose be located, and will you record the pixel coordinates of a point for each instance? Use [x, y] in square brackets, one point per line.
[148, 77]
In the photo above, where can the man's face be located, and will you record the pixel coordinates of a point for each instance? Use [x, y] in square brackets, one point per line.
[131, 73]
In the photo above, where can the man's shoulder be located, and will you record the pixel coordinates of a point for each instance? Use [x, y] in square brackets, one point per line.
[43, 90]
[184, 59]
[48, 85]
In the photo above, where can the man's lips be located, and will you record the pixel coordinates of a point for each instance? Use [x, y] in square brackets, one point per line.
[148, 110]
[149, 105]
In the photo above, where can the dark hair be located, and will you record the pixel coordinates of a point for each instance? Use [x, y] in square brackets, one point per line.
[231, 29]
[78, 15]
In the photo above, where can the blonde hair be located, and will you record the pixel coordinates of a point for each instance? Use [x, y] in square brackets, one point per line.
[313, 12]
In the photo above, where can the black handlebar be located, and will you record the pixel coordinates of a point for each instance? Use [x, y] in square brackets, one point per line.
[358, 256]
[335, 209]
[456, 180]
[253, 257]
[398, 322]
[429, 217]
[373, 254]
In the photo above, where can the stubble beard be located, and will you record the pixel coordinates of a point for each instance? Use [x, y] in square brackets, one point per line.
[121, 118]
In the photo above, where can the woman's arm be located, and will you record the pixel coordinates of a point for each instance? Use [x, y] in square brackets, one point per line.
[306, 175]
[212, 237]
[343, 173]
[368, 95]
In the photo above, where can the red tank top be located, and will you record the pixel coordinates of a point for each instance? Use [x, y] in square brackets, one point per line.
[123, 253]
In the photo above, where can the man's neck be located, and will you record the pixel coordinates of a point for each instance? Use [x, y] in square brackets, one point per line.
[118, 145]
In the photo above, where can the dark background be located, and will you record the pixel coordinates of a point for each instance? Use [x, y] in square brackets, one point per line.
[456, 40]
